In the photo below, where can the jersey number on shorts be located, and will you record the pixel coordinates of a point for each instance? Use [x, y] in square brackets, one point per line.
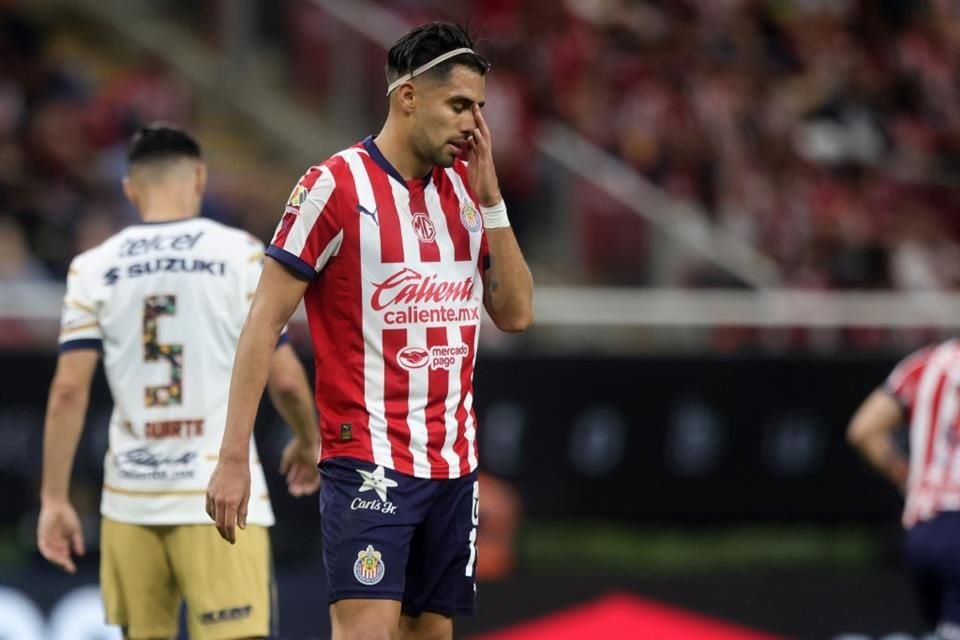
[165, 395]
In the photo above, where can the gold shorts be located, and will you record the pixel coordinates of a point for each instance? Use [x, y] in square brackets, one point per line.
[147, 570]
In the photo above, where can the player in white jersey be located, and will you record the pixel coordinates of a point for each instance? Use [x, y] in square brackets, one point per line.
[922, 394]
[396, 245]
[164, 303]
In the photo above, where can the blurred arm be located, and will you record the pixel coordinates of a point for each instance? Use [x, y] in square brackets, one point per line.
[277, 296]
[508, 284]
[290, 393]
[66, 411]
[871, 433]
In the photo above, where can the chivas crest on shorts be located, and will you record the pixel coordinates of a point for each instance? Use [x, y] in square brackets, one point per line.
[369, 568]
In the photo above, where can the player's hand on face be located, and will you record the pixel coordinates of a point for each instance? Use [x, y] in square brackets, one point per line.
[481, 171]
[299, 464]
[59, 535]
[228, 494]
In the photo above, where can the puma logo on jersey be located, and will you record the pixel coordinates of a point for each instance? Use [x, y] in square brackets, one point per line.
[362, 210]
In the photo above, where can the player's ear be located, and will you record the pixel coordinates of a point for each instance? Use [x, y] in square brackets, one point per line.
[130, 190]
[406, 97]
[201, 178]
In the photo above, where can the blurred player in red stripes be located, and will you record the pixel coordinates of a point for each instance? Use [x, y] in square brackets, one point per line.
[923, 393]
[395, 244]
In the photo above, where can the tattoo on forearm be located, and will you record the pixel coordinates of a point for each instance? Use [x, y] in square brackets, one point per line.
[494, 285]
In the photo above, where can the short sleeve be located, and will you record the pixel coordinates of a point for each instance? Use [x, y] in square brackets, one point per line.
[79, 322]
[310, 232]
[903, 381]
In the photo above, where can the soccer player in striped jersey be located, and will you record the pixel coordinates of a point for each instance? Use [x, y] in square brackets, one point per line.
[923, 393]
[395, 244]
[163, 302]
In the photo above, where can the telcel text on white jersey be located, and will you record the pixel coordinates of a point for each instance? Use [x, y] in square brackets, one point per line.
[166, 302]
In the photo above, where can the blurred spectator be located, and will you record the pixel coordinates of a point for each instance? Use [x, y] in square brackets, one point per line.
[798, 124]
[500, 511]
[146, 92]
[17, 263]
[65, 116]
[824, 133]
[18, 271]
[924, 259]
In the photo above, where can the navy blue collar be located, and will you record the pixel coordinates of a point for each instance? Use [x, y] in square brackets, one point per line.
[378, 157]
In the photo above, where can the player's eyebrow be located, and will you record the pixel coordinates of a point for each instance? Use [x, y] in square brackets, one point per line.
[467, 101]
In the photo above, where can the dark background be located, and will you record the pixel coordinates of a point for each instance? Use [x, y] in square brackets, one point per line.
[691, 448]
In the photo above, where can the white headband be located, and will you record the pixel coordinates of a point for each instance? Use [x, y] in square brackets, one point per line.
[426, 67]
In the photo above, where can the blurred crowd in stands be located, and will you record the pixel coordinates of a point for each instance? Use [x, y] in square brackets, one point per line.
[65, 120]
[62, 137]
[826, 133]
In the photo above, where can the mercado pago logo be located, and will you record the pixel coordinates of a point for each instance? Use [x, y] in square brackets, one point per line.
[409, 297]
[441, 356]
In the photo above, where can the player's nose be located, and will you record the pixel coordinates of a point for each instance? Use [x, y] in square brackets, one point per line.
[467, 124]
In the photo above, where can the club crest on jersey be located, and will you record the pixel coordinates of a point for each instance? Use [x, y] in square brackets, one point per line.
[470, 217]
[423, 227]
[369, 567]
[297, 198]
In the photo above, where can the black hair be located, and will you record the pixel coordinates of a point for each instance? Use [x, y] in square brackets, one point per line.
[426, 42]
[161, 142]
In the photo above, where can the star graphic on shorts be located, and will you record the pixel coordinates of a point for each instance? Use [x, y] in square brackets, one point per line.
[377, 481]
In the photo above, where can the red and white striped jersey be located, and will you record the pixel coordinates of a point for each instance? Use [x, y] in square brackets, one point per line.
[394, 307]
[927, 385]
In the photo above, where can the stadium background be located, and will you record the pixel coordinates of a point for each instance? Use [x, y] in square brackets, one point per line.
[739, 213]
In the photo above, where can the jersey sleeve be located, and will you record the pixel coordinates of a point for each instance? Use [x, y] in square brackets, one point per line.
[310, 232]
[903, 381]
[79, 321]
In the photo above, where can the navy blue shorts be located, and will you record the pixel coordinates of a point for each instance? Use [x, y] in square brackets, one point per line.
[933, 553]
[390, 536]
